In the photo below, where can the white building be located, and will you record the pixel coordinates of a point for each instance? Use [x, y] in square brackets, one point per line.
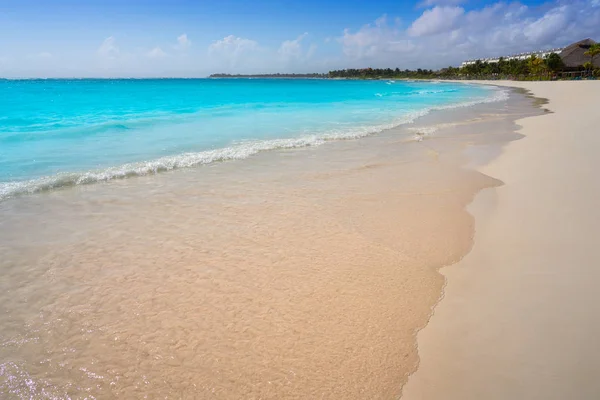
[520, 56]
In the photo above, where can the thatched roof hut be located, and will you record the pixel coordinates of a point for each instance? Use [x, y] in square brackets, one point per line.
[573, 55]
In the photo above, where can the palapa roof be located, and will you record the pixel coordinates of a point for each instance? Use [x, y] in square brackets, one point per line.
[573, 55]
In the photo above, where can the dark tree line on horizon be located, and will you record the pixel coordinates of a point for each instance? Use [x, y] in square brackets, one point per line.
[277, 75]
[375, 73]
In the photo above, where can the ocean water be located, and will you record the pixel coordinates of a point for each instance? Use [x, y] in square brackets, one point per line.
[56, 133]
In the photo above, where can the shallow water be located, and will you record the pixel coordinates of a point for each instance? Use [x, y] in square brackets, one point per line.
[56, 133]
[299, 273]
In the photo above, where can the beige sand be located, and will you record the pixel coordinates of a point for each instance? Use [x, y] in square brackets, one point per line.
[521, 316]
[299, 274]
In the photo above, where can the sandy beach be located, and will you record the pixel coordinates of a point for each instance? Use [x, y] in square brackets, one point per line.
[300, 200]
[520, 317]
[294, 274]
[306, 273]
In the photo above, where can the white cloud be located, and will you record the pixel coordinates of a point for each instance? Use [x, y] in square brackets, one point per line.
[156, 52]
[371, 40]
[437, 20]
[234, 54]
[108, 48]
[232, 46]
[509, 28]
[183, 42]
[231, 50]
[516, 12]
[444, 34]
[447, 35]
[401, 46]
[292, 49]
[549, 25]
[374, 40]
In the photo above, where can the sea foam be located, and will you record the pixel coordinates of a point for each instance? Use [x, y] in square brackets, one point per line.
[237, 150]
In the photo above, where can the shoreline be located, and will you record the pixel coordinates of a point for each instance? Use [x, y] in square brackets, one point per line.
[517, 318]
[303, 281]
[232, 152]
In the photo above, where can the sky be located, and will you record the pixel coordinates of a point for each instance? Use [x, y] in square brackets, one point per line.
[194, 38]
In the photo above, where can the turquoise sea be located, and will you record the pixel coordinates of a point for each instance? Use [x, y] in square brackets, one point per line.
[56, 133]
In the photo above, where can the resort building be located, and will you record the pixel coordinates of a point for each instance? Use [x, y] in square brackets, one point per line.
[520, 56]
[572, 55]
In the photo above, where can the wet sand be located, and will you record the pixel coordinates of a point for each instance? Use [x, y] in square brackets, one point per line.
[294, 274]
[520, 318]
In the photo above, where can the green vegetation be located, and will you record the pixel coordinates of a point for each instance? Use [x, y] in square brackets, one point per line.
[554, 62]
[313, 75]
[592, 52]
[532, 68]
[536, 65]
[378, 73]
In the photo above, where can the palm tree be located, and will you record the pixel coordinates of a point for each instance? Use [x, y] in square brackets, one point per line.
[592, 52]
[536, 65]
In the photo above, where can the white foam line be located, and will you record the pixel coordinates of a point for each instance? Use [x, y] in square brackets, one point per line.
[236, 152]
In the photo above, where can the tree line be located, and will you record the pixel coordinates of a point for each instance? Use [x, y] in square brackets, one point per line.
[278, 75]
[532, 68]
[367, 73]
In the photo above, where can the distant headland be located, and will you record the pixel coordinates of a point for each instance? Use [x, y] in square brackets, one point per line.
[312, 75]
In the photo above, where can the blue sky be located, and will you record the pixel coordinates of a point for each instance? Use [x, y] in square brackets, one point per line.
[105, 38]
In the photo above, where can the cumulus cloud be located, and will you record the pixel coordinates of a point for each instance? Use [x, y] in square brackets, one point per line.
[234, 54]
[443, 34]
[549, 25]
[374, 40]
[232, 49]
[446, 35]
[437, 20]
[232, 45]
[108, 48]
[292, 49]
[514, 28]
[180, 47]
[183, 42]
[156, 52]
